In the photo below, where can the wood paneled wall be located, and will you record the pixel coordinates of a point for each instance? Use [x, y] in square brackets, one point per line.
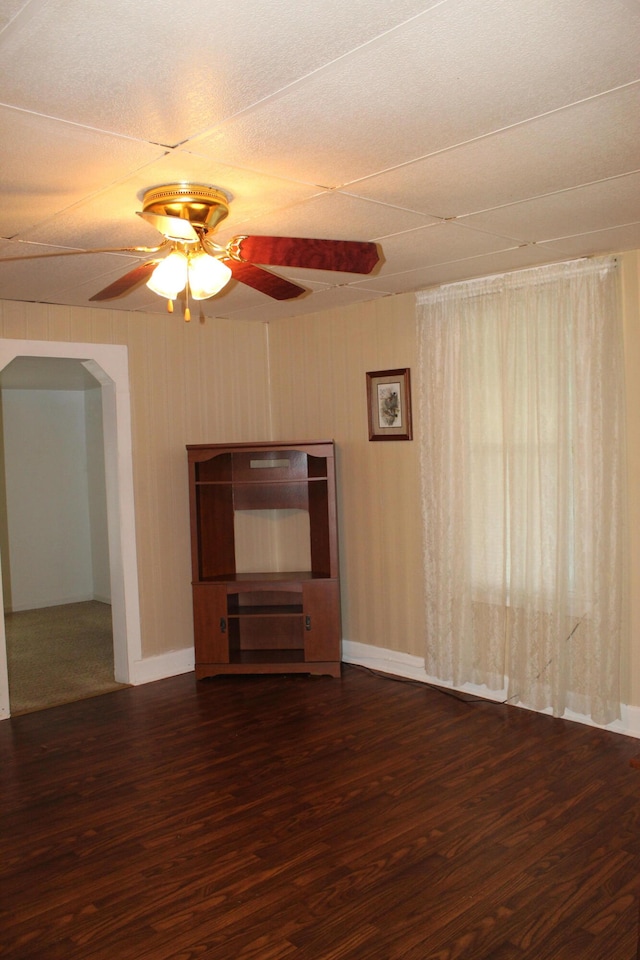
[229, 381]
[318, 369]
[190, 383]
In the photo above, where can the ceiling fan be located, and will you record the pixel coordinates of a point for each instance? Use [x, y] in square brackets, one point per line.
[189, 259]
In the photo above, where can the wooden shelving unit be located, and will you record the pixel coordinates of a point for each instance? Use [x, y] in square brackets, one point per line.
[263, 621]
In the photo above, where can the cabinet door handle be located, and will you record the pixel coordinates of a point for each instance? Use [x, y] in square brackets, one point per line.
[307, 623]
[223, 625]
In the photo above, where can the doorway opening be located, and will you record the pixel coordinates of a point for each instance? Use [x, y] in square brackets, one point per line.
[101, 370]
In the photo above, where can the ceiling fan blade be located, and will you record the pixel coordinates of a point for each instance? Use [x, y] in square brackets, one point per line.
[350, 256]
[264, 281]
[176, 228]
[81, 253]
[126, 283]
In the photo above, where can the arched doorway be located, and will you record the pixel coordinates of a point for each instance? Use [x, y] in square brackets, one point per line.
[109, 365]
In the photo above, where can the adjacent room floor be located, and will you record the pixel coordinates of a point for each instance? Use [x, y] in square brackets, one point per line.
[59, 654]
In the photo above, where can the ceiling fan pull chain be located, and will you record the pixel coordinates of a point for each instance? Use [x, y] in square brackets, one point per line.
[187, 311]
[169, 306]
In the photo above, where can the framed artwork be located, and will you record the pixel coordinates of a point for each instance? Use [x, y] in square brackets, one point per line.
[389, 404]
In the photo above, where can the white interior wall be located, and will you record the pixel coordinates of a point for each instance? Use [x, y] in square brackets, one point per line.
[55, 515]
[98, 525]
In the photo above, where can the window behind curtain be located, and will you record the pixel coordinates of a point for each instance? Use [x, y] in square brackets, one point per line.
[523, 485]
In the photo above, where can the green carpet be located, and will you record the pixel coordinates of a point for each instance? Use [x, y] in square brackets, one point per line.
[59, 654]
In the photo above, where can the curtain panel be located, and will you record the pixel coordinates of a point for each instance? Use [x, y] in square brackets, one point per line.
[521, 404]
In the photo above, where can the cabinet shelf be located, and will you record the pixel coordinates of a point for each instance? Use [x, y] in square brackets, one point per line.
[285, 580]
[266, 611]
[264, 621]
[258, 482]
[268, 656]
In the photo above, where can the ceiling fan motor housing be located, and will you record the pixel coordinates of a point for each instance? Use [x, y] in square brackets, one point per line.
[203, 206]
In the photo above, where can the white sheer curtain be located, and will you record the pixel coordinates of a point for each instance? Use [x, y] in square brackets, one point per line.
[523, 480]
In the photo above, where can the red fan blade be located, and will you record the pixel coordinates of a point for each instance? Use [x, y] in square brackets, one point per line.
[262, 280]
[350, 256]
[126, 283]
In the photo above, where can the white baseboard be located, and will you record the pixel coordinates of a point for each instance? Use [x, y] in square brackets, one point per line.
[412, 668]
[393, 662]
[631, 721]
[44, 602]
[165, 665]
[387, 661]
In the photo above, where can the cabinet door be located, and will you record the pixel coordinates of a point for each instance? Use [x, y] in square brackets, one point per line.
[321, 610]
[210, 623]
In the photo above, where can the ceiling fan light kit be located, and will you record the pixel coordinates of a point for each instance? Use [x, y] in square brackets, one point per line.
[207, 276]
[204, 275]
[170, 276]
[187, 215]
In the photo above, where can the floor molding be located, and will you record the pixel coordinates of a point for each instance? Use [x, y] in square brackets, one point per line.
[412, 668]
[163, 666]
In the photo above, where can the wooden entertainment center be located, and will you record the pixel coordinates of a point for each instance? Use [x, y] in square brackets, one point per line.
[264, 620]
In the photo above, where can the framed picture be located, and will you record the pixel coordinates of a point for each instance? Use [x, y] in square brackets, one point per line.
[389, 405]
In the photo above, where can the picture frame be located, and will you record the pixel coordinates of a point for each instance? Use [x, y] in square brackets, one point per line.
[389, 404]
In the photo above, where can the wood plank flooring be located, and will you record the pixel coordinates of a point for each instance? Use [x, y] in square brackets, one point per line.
[282, 818]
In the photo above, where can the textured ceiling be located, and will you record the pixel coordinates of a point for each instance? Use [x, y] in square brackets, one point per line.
[465, 137]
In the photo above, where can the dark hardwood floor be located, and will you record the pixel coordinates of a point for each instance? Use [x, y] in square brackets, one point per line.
[268, 818]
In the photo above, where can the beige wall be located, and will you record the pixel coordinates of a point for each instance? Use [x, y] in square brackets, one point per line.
[196, 383]
[631, 314]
